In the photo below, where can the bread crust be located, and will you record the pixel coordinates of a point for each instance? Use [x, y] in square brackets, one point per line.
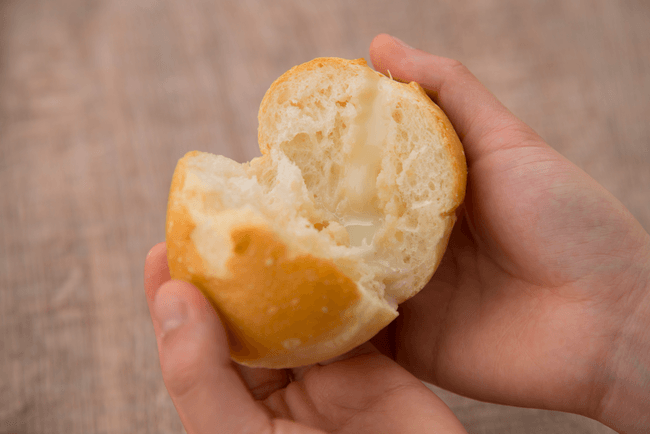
[282, 305]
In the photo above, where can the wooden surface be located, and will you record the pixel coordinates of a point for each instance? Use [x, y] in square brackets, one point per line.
[99, 99]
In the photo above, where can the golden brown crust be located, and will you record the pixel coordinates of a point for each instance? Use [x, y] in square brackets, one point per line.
[181, 252]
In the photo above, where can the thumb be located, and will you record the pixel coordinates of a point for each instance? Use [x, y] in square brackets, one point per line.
[478, 117]
[206, 388]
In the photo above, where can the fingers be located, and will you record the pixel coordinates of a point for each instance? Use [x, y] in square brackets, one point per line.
[363, 349]
[261, 382]
[211, 396]
[478, 117]
[362, 391]
[204, 384]
[156, 271]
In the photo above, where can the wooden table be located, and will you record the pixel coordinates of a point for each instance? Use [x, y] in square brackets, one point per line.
[99, 99]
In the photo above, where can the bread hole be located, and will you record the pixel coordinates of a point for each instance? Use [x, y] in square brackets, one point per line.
[283, 95]
[242, 244]
[299, 151]
[397, 116]
[319, 136]
[339, 125]
[407, 259]
[411, 180]
[398, 167]
[297, 144]
[327, 92]
[335, 173]
[399, 236]
[321, 226]
[341, 103]
[432, 185]
[310, 179]
[296, 104]
[411, 221]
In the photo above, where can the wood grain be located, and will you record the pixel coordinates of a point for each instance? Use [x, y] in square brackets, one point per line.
[99, 99]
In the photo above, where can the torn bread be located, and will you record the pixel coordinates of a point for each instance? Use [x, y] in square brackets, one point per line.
[306, 251]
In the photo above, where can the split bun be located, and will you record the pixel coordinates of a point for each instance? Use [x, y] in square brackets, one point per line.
[306, 251]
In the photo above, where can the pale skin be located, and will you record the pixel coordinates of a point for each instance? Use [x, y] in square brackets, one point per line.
[542, 300]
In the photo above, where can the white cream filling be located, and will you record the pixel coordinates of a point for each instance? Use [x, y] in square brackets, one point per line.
[361, 231]
[358, 212]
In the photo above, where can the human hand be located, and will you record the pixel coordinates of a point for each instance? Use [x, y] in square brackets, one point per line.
[543, 297]
[361, 391]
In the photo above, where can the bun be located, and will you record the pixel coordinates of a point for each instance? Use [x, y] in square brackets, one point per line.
[306, 251]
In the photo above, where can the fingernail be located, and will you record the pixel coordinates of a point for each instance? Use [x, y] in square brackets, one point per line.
[402, 43]
[171, 311]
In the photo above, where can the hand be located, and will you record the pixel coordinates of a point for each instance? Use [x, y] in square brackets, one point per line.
[359, 392]
[543, 296]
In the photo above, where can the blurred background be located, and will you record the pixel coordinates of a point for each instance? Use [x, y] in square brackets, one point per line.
[100, 98]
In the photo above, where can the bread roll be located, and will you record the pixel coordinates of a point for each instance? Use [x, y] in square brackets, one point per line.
[306, 251]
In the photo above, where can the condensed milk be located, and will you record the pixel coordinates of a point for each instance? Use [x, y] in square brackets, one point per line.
[362, 218]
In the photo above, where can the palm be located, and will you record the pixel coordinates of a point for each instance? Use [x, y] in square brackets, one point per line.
[513, 311]
[356, 395]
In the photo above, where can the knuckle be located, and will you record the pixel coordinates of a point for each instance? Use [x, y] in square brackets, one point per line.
[456, 66]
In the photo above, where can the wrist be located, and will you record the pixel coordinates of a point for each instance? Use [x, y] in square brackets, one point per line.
[625, 405]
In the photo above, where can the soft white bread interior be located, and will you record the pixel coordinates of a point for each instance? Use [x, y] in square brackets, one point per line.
[306, 251]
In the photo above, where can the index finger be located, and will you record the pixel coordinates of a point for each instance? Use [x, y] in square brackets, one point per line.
[478, 117]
